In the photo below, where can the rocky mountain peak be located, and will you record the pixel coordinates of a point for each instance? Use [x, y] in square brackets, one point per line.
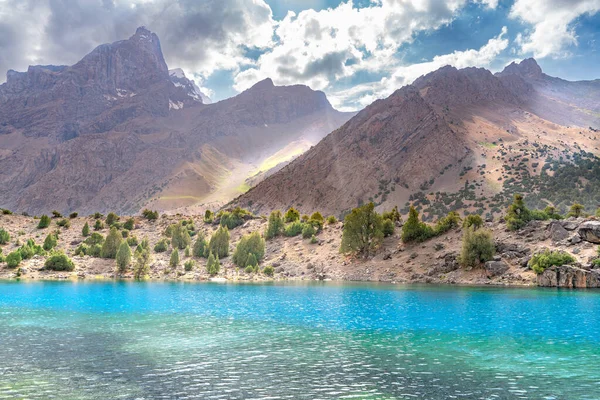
[264, 84]
[527, 68]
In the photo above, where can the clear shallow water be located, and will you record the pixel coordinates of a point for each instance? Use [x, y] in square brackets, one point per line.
[211, 341]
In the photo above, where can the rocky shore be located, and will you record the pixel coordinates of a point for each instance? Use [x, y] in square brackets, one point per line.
[434, 261]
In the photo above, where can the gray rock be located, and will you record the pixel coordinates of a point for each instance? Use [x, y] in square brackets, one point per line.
[557, 231]
[572, 223]
[590, 231]
[496, 268]
[569, 276]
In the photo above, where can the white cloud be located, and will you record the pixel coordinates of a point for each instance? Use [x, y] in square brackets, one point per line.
[552, 32]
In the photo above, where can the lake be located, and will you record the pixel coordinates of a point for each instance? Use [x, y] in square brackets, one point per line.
[120, 340]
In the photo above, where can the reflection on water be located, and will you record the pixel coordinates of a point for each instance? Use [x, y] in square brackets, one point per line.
[176, 341]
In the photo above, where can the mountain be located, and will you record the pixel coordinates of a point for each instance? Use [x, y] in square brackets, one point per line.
[119, 131]
[456, 139]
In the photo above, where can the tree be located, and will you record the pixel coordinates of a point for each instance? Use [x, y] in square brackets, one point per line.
[275, 226]
[393, 215]
[212, 265]
[473, 220]
[308, 230]
[59, 262]
[547, 258]
[200, 246]
[219, 243]
[180, 237]
[388, 227]
[477, 247]
[95, 238]
[111, 218]
[332, 220]
[414, 230]
[111, 244]
[129, 224]
[50, 242]
[293, 229]
[98, 225]
[363, 230]
[452, 220]
[268, 270]
[518, 214]
[161, 246]
[4, 237]
[150, 215]
[174, 260]
[208, 217]
[142, 263]
[44, 222]
[576, 210]
[123, 257]
[13, 259]
[292, 215]
[249, 245]
[86, 230]
[73, 215]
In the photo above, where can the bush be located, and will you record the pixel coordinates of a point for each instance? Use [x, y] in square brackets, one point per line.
[249, 269]
[363, 231]
[129, 224]
[111, 218]
[209, 217]
[56, 214]
[86, 230]
[212, 265]
[150, 215]
[143, 245]
[81, 250]
[59, 262]
[29, 249]
[332, 220]
[95, 250]
[174, 260]
[98, 225]
[293, 229]
[13, 259]
[73, 215]
[96, 238]
[44, 222]
[97, 215]
[269, 270]
[292, 215]
[249, 248]
[548, 258]
[123, 257]
[388, 227]
[200, 247]
[219, 243]
[450, 221]
[111, 245]
[188, 251]
[65, 223]
[132, 241]
[275, 226]
[189, 265]
[161, 246]
[313, 240]
[576, 210]
[414, 230]
[4, 237]
[141, 269]
[6, 211]
[181, 237]
[550, 211]
[598, 213]
[477, 247]
[393, 215]
[473, 221]
[308, 231]
[50, 242]
[518, 215]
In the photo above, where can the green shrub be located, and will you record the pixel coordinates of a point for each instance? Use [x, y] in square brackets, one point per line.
[181, 237]
[473, 221]
[81, 250]
[111, 218]
[141, 269]
[212, 265]
[388, 227]
[317, 219]
[200, 247]
[363, 231]
[293, 229]
[219, 243]
[97, 215]
[292, 215]
[313, 240]
[249, 248]
[13, 259]
[111, 245]
[393, 215]
[189, 265]
[209, 217]
[98, 225]
[123, 257]
[174, 260]
[450, 221]
[73, 215]
[132, 241]
[538, 215]
[6, 211]
[249, 269]
[4, 237]
[59, 261]
[477, 247]
[598, 213]
[234, 218]
[548, 258]
[56, 214]
[95, 250]
[169, 230]
[150, 215]
[50, 242]
[161, 246]
[414, 230]
[268, 270]
[86, 230]
[129, 224]
[143, 245]
[44, 222]
[308, 231]
[64, 223]
[95, 238]
[576, 210]
[275, 226]
[518, 214]
[550, 211]
[332, 220]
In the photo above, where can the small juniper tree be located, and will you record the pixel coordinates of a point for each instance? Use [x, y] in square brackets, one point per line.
[219, 243]
[275, 226]
[292, 215]
[44, 222]
[111, 244]
[212, 265]
[363, 231]
[200, 246]
[123, 257]
[86, 230]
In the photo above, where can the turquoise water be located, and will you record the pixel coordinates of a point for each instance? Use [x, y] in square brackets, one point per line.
[292, 341]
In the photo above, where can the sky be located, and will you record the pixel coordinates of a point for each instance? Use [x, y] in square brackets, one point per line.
[355, 51]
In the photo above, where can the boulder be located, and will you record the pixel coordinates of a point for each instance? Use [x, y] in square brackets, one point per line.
[572, 223]
[496, 268]
[569, 276]
[557, 232]
[590, 231]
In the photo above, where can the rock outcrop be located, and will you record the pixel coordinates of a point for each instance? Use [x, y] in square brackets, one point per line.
[568, 276]
[590, 231]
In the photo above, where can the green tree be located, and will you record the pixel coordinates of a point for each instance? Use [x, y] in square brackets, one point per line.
[576, 210]
[388, 227]
[4, 237]
[393, 215]
[473, 220]
[111, 218]
[332, 220]
[219, 243]
[86, 230]
[13, 259]
[181, 237]
[98, 225]
[308, 230]
[249, 245]
[111, 244]
[518, 214]
[200, 246]
[59, 261]
[477, 247]
[268, 270]
[50, 242]
[174, 260]
[129, 224]
[44, 222]
[95, 238]
[363, 231]
[548, 258]
[208, 217]
[212, 265]
[141, 269]
[450, 221]
[161, 246]
[123, 257]
[292, 215]
[293, 229]
[414, 230]
[275, 226]
[73, 215]
[150, 215]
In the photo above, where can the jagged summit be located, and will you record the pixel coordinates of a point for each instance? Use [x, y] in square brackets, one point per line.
[527, 68]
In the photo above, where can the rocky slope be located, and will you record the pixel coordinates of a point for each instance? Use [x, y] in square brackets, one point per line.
[434, 261]
[454, 140]
[118, 131]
